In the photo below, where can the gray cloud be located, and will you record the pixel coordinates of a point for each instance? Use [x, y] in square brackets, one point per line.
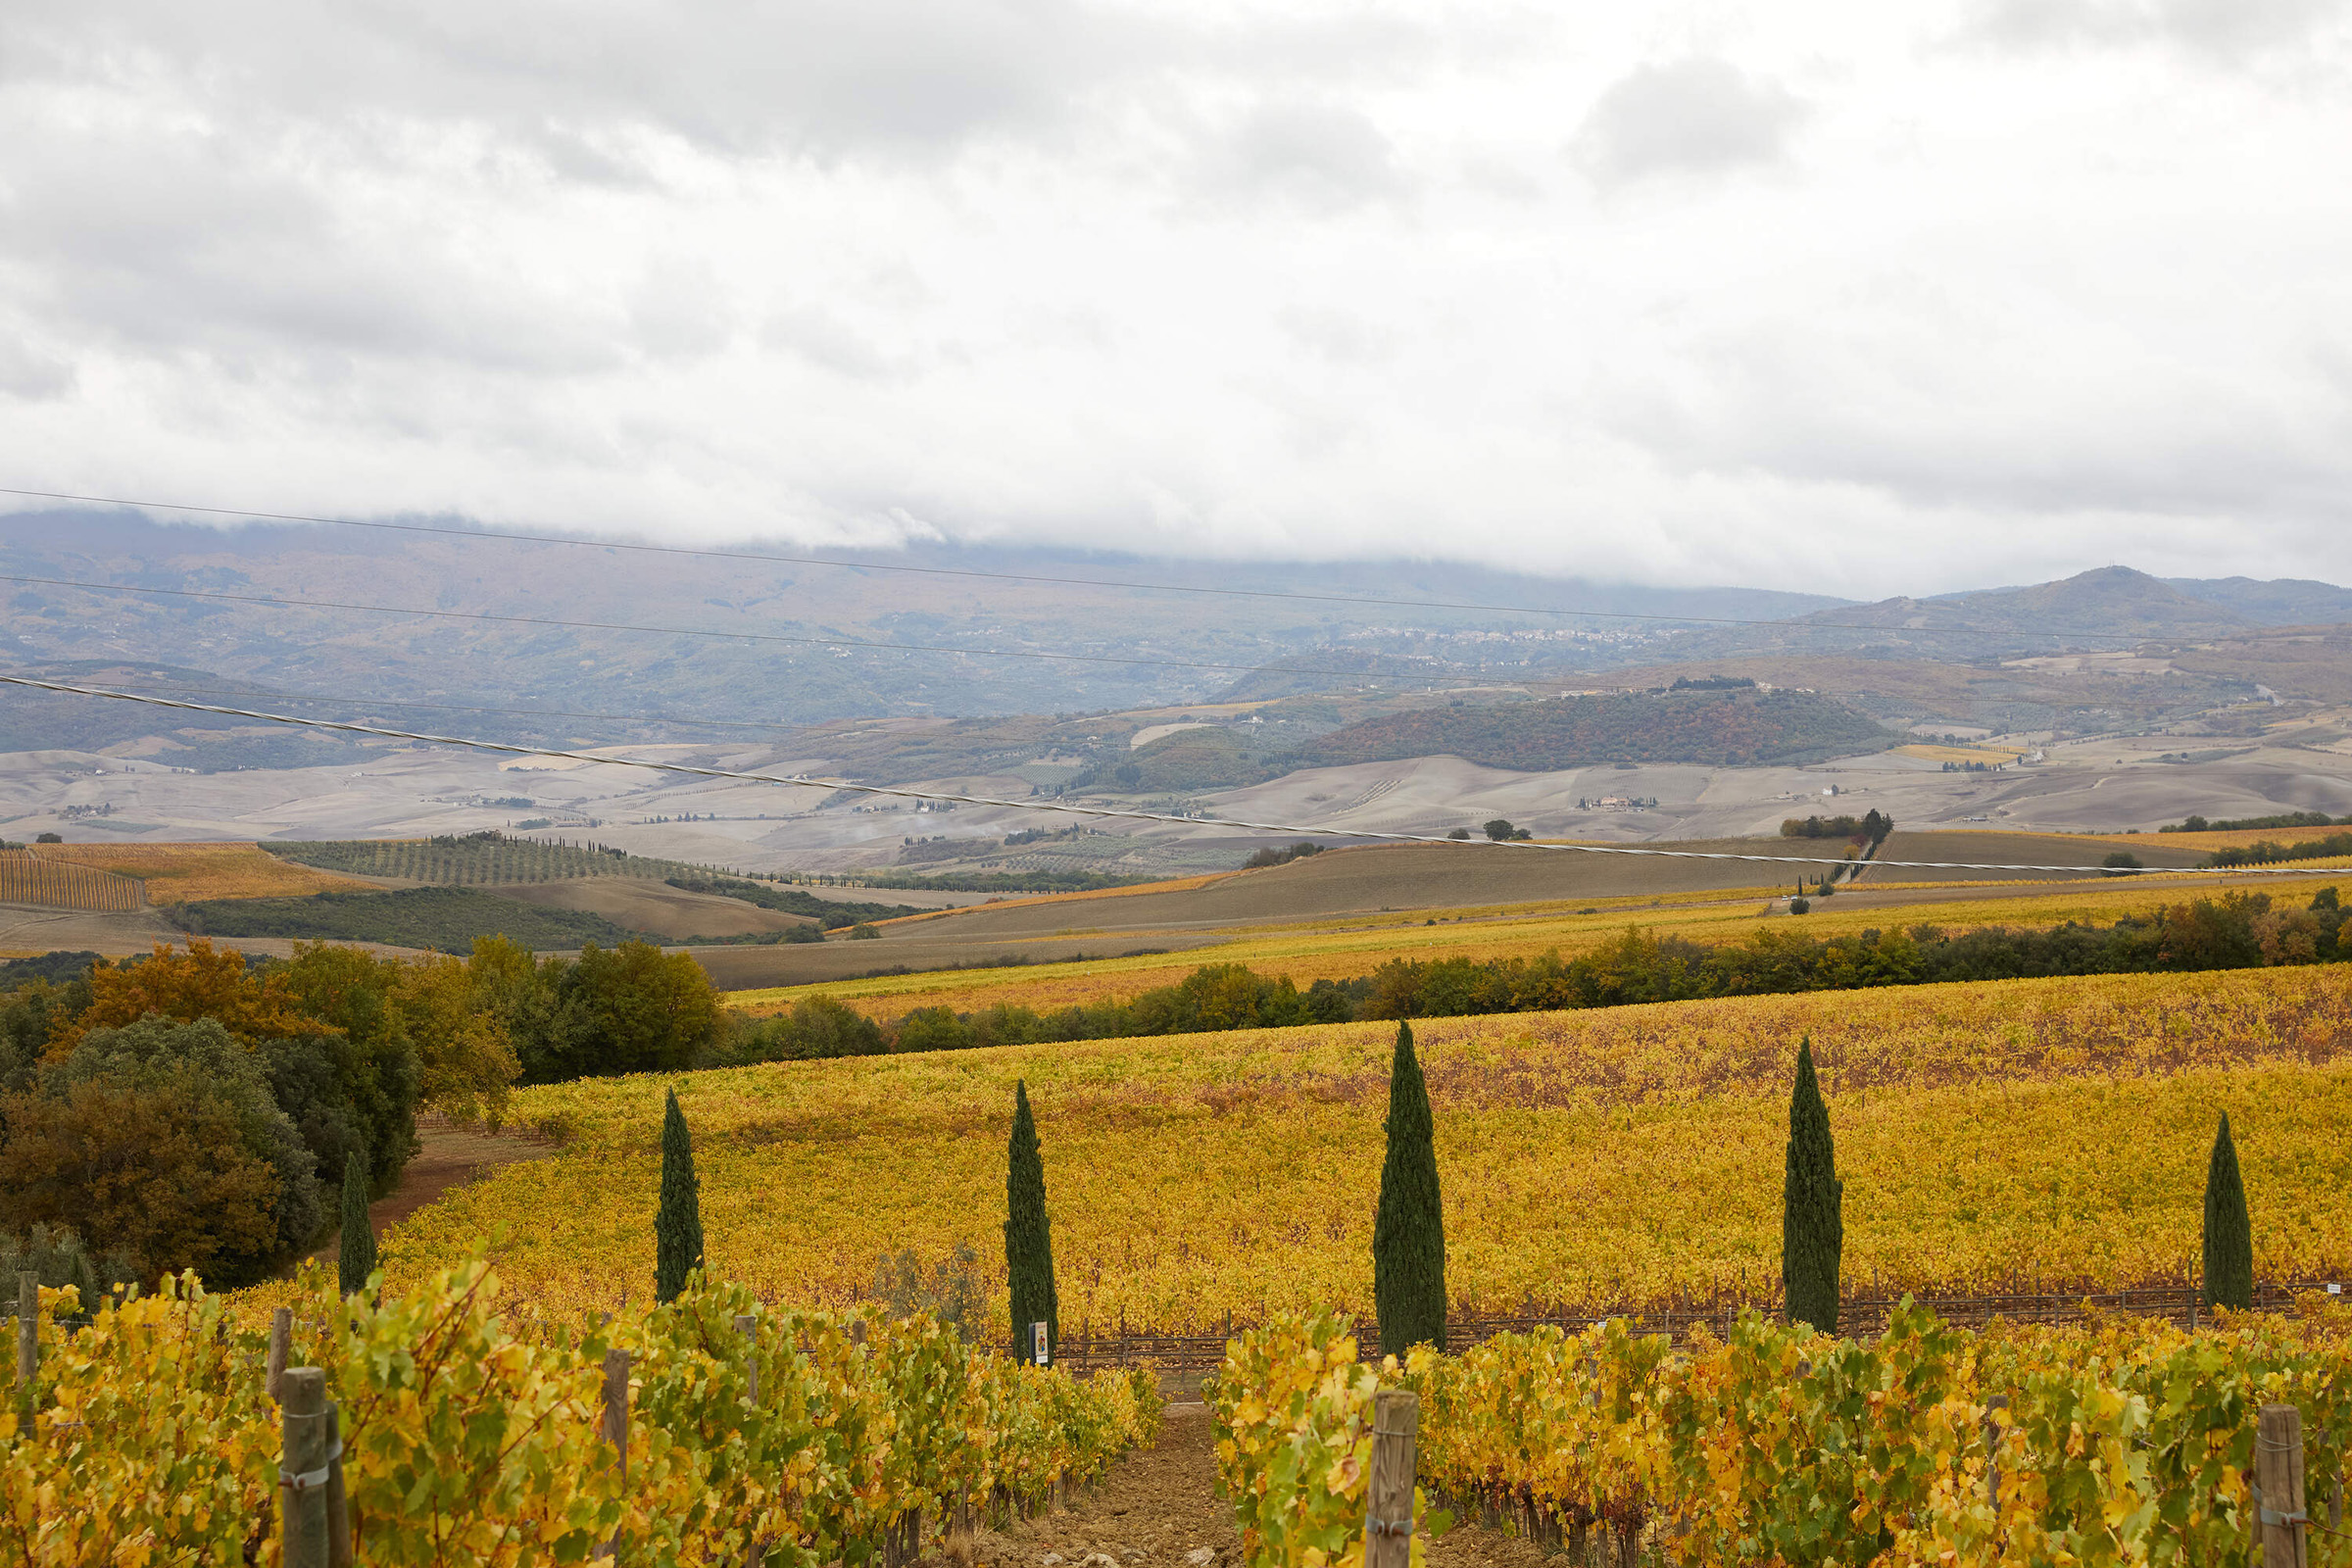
[1124, 273]
[2222, 29]
[1696, 116]
[813, 75]
[821, 337]
[2018, 428]
[194, 243]
[1341, 337]
[1320, 156]
[27, 372]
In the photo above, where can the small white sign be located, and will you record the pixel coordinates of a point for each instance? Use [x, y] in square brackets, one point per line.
[1037, 1343]
[2335, 1290]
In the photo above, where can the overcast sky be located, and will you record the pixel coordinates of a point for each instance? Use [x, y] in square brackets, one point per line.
[1858, 298]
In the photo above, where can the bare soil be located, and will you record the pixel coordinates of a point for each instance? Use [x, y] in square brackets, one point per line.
[450, 1158]
[1159, 1508]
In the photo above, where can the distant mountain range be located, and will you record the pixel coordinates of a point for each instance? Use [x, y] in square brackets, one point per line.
[680, 647]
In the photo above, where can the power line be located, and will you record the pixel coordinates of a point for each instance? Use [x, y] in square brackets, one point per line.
[776, 727]
[1786, 624]
[213, 594]
[1123, 814]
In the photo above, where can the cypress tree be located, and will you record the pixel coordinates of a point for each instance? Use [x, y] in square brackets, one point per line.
[1029, 1234]
[679, 1225]
[2228, 1230]
[1409, 1231]
[1812, 1205]
[357, 1260]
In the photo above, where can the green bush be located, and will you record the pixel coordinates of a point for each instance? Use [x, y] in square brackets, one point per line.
[2236, 931]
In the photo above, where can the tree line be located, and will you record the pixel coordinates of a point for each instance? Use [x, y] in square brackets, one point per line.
[2264, 851]
[2243, 824]
[1872, 825]
[2239, 930]
[189, 1109]
[1409, 1238]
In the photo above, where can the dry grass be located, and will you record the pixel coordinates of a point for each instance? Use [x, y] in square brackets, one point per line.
[182, 873]
[1960, 753]
[2236, 839]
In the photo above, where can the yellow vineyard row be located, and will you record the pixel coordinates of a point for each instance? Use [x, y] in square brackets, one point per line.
[26, 878]
[2124, 1443]
[474, 1437]
[1984, 1132]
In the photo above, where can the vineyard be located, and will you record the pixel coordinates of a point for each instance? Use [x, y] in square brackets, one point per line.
[477, 860]
[1620, 1157]
[30, 878]
[2123, 1441]
[180, 873]
[1310, 952]
[468, 1435]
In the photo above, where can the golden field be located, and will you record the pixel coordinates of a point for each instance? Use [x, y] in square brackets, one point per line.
[1989, 754]
[2054, 1128]
[181, 873]
[1310, 952]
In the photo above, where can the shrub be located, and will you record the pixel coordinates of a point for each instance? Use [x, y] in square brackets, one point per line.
[816, 1026]
[2120, 863]
[949, 1291]
[629, 1009]
[863, 931]
[932, 1029]
[199, 1063]
[57, 1257]
[1800, 905]
[159, 1172]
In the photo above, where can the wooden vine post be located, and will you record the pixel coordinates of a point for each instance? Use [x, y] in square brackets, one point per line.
[2279, 1475]
[616, 1433]
[28, 1348]
[282, 1337]
[749, 1327]
[303, 1470]
[1389, 1505]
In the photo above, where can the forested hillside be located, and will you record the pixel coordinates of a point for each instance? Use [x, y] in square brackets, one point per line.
[1719, 729]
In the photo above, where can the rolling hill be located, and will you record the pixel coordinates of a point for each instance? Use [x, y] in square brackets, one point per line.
[1739, 728]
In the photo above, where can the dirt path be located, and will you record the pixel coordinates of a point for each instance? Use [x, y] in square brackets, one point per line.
[1156, 1507]
[1159, 1508]
[451, 1156]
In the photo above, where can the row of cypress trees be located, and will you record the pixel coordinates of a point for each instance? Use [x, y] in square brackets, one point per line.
[1409, 1238]
[1408, 1228]
[1813, 1220]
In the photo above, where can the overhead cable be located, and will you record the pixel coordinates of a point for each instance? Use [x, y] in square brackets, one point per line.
[778, 726]
[1123, 813]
